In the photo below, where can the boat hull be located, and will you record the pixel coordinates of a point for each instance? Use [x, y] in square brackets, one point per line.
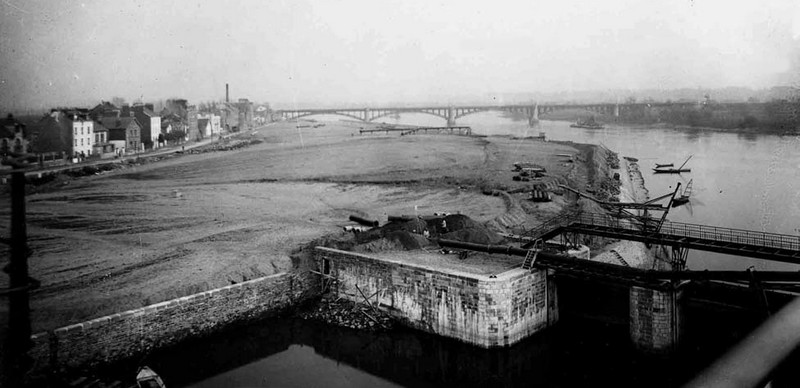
[671, 171]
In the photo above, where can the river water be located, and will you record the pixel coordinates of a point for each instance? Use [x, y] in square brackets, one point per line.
[743, 181]
[740, 181]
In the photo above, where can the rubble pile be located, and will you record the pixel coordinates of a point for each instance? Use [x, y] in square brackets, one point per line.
[346, 313]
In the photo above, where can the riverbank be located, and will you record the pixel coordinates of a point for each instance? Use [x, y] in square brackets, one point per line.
[623, 252]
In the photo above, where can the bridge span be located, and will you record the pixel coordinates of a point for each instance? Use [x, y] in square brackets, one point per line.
[451, 113]
[680, 236]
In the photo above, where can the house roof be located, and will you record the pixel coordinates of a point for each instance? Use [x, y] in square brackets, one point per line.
[117, 123]
[99, 127]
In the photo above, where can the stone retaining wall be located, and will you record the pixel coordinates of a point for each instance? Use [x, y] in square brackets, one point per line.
[132, 333]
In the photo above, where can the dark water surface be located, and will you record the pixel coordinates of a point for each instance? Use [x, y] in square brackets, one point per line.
[290, 352]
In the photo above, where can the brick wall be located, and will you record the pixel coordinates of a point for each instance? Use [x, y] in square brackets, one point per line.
[655, 319]
[473, 308]
[132, 333]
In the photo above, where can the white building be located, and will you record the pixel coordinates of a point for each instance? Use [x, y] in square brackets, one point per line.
[82, 135]
[214, 121]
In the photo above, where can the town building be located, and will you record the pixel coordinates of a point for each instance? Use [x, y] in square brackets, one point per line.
[102, 146]
[149, 120]
[67, 131]
[13, 137]
[124, 132]
[204, 127]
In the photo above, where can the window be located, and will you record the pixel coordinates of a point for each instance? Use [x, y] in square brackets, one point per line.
[81, 141]
[76, 142]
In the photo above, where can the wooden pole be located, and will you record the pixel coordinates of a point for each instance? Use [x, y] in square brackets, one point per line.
[15, 358]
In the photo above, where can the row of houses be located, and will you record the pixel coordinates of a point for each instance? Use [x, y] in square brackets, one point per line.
[105, 130]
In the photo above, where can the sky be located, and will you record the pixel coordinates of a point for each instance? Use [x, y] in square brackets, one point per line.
[75, 53]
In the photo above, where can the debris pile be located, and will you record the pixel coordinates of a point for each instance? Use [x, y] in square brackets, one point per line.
[346, 313]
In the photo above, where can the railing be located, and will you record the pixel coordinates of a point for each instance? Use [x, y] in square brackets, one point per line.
[549, 225]
[673, 229]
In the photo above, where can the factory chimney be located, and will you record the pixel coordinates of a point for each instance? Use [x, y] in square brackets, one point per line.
[227, 97]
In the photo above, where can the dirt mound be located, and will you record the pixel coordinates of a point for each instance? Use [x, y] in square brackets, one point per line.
[414, 233]
[480, 235]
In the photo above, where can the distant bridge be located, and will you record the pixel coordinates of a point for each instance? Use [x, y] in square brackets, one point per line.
[451, 113]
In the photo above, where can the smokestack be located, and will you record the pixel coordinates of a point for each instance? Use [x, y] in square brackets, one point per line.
[227, 97]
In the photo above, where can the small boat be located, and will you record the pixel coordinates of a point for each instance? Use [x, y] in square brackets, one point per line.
[146, 378]
[588, 124]
[684, 198]
[673, 170]
[659, 165]
[630, 159]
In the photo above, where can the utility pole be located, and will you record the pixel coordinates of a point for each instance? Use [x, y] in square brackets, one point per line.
[17, 342]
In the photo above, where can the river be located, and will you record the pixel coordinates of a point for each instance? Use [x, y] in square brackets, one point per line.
[742, 181]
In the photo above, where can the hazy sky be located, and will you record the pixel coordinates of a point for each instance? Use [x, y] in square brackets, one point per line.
[73, 52]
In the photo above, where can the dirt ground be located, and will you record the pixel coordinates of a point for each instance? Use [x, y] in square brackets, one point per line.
[147, 233]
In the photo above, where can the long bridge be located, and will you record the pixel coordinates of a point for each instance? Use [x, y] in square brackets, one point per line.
[451, 113]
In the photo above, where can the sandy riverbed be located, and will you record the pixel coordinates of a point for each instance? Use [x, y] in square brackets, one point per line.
[152, 232]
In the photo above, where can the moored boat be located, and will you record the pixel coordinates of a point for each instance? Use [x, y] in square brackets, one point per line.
[678, 170]
[146, 378]
[684, 198]
[588, 124]
[671, 170]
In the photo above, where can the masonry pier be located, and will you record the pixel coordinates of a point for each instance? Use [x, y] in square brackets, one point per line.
[496, 309]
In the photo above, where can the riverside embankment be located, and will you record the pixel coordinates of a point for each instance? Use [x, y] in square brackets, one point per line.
[123, 241]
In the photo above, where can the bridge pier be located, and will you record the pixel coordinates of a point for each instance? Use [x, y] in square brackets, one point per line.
[655, 319]
[533, 115]
[451, 116]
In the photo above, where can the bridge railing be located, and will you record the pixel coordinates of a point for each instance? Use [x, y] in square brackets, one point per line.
[737, 236]
[679, 229]
[672, 229]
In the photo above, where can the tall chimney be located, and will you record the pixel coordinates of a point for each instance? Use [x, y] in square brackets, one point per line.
[227, 97]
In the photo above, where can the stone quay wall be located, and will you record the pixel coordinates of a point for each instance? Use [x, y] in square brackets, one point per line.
[477, 309]
[133, 333]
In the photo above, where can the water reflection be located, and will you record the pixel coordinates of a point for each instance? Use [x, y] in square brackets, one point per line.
[296, 353]
[750, 137]
[291, 352]
[692, 135]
